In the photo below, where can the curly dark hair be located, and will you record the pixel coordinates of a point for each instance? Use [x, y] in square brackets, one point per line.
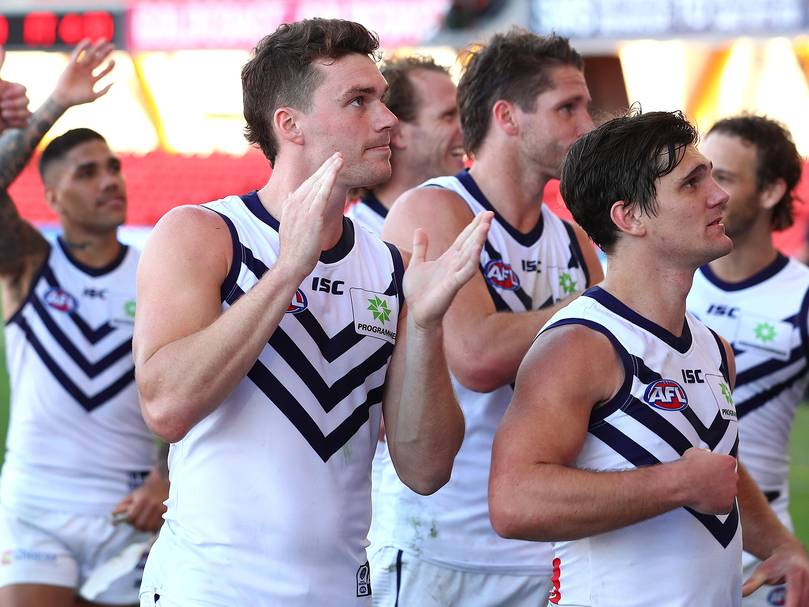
[514, 66]
[281, 71]
[776, 158]
[621, 160]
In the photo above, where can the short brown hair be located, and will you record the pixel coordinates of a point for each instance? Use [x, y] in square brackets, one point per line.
[401, 97]
[513, 66]
[281, 72]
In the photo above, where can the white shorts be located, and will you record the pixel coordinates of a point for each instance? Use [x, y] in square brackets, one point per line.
[766, 596]
[398, 579]
[54, 548]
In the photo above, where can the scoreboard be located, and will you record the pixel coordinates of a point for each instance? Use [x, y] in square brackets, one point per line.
[60, 30]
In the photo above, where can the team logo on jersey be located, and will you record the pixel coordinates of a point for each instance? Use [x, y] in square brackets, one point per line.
[777, 596]
[59, 299]
[375, 314]
[299, 303]
[500, 275]
[364, 580]
[666, 394]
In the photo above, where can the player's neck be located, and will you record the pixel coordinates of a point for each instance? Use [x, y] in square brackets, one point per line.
[515, 193]
[387, 193]
[750, 256]
[656, 293]
[282, 183]
[744, 261]
[95, 250]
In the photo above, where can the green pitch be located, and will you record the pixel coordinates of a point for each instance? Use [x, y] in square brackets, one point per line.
[799, 477]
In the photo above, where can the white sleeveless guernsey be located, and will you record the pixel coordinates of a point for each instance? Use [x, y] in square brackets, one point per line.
[765, 320]
[675, 396]
[368, 212]
[451, 527]
[77, 442]
[270, 493]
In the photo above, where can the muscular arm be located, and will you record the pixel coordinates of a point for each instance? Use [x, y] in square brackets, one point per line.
[535, 493]
[22, 247]
[483, 347]
[423, 421]
[189, 355]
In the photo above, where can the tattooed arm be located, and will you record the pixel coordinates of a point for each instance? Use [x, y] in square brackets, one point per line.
[22, 247]
[74, 87]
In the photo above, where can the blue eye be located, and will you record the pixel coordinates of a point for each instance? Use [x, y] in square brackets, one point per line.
[357, 101]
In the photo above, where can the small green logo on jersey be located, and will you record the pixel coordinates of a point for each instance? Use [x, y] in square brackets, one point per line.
[764, 331]
[726, 393]
[567, 283]
[129, 308]
[379, 308]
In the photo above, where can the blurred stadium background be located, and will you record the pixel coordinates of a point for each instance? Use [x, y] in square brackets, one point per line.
[175, 114]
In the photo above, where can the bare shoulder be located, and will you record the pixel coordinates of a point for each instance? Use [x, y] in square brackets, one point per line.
[190, 248]
[440, 212]
[193, 233]
[576, 359]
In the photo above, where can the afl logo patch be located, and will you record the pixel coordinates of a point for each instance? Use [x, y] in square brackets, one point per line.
[500, 275]
[777, 596]
[299, 303]
[61, 300]
[666, 394]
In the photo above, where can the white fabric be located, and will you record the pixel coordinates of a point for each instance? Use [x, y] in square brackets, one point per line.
[402, 580]
[452, 526]
[270, 494]
[77, 441]
[677, 559]
[40, 546]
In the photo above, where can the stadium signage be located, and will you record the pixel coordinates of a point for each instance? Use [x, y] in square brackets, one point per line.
[240, 24]
[628, 19]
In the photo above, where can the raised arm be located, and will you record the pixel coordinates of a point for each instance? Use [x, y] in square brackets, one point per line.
[22, 248]
[423, 421]
[74, 87]
[535, 493]
[483, 347]
[189, 355]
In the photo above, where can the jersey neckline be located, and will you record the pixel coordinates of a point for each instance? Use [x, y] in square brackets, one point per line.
[682, 343]
[778, 264]
[372, 202]
[524, 238]
[89, 269]
[338, 252]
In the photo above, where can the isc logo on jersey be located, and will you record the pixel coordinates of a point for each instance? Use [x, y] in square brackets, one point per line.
[666, 394]
[299, 303]
[500, 275]
[61, 300]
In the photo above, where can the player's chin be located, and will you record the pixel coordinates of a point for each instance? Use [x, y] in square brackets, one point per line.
[374, 174]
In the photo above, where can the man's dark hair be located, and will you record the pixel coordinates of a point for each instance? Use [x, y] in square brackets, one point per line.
[62, 144]
[776, 158]
[281, 71]
[621, 160]
[401, 96]
[515, 67]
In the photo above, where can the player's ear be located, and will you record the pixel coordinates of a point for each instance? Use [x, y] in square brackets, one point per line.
[772, 193]
[285, 121]
[51, 199]
[504, 116]
[628, 218]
